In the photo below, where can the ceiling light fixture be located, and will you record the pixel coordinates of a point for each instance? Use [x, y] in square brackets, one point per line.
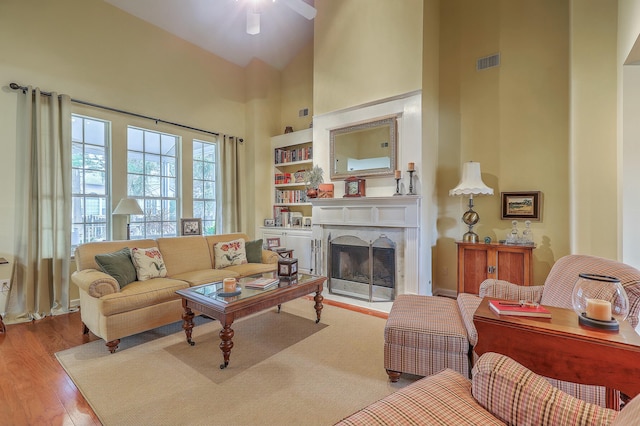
[253, 22]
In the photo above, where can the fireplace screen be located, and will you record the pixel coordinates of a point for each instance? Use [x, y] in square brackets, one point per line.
[361, 269]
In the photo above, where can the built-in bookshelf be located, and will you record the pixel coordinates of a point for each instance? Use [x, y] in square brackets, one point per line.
[292, 155]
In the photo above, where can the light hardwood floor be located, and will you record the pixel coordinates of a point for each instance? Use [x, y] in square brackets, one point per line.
[34, 388]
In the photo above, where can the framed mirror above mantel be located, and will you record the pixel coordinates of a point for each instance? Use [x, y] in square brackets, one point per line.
[364, 149]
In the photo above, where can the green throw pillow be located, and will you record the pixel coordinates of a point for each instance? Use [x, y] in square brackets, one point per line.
[119, 265]
[254, 251]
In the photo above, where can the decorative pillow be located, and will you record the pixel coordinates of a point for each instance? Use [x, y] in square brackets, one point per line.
[148, 262]
[229, 253]
[254, 251]
[119, 265]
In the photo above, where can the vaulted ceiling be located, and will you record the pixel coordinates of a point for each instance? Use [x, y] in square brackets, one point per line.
[219, 26]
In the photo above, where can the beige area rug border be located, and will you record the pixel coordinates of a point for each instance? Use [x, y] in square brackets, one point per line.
[317, 381]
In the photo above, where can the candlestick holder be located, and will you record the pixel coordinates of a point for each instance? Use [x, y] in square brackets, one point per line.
[398, 187]
[411, 172]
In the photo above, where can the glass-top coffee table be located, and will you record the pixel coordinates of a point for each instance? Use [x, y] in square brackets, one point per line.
[211, 301]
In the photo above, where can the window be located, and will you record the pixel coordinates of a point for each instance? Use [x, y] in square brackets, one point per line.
[204, 184]
[89, 175]
[152, 178]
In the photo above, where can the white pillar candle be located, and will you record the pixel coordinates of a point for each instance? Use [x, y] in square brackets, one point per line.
[599, 309]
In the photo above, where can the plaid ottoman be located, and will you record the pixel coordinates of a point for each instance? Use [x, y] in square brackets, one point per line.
[424, 335]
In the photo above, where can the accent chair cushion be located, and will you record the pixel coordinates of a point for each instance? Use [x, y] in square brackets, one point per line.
[516, 395]
[119, 265]
[148, 262]
[254, 251]
[230, 253]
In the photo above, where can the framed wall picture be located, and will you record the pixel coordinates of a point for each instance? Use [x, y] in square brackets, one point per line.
[191, 226]
[521, 205]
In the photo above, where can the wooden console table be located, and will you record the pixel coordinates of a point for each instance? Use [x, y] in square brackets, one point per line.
[562, 349]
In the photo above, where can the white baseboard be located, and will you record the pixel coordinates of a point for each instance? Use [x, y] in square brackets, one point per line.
[445, 292]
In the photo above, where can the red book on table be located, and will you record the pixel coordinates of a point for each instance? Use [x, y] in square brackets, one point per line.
[515, 308]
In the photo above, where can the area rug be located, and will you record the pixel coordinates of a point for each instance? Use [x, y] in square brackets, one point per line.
[284, 369]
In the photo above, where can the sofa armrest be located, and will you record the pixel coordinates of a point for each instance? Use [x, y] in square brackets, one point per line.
[467, 305]
[269, 256]
[516, 395]
[506, 290]
[95, 283]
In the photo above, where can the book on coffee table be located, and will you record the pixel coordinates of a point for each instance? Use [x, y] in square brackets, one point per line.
[519, 308]
[262, 283]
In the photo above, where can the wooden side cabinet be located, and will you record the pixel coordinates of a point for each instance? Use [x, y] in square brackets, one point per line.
[477, 262]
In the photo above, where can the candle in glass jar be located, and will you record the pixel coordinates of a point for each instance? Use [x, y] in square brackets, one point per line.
[412, 166]
[229, 285]
[599, 309]
[398, 174]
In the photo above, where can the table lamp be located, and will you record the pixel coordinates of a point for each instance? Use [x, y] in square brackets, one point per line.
[128, 206]
[471, 184]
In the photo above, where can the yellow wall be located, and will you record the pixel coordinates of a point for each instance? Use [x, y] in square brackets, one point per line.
[365, 50]
[297, 91]
[513, 119]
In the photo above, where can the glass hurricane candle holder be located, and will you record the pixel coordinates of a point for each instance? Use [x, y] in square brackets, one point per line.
[600, 301]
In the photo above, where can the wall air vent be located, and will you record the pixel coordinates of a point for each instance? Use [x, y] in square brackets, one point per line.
[488, 62]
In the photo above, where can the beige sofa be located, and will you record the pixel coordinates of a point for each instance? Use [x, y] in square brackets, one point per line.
[111, 312]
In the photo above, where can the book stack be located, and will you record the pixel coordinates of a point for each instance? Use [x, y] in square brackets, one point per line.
[262, 283]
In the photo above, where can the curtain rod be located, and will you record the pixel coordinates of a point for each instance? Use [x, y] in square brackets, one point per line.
[16, 86]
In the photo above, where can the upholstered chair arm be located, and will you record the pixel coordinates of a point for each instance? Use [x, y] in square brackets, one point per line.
[467, 304]
[95, 283]
[516, 395]
[505, 290]
[269, 256]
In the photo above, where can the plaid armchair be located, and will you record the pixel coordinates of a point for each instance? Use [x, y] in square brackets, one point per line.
[557, 292]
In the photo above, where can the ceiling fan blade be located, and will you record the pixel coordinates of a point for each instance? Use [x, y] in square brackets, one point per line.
[302, 8]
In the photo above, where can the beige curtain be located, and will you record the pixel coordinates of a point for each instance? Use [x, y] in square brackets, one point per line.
[40, 284]
[230, 165]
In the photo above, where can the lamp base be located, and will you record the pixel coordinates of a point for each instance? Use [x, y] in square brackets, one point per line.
[470, 237]
[604, 325]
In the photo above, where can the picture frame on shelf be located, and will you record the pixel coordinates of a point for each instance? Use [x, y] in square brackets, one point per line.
[273, 243]
[354, 187]
[191, 226]
[306, 221]
[269, 222]
[521, 205]
[296, 221]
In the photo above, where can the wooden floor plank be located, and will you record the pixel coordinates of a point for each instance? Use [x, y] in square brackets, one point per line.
[34, 388]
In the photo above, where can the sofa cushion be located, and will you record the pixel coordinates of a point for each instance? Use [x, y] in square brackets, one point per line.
[141, 294]
[119, 265]
[254, 251]
[185, 254]
[441, 399]
[516, 395]
[148, 262]
[229, 253]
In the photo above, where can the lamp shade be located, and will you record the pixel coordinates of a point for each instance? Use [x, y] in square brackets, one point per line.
[128, 206]
[471, 183]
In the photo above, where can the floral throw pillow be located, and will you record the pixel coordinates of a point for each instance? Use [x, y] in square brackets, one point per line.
[229, 253]
[148, 262]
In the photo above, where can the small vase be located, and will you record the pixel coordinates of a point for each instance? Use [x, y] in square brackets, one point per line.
[312, 193]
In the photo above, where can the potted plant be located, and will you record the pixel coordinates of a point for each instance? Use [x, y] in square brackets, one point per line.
[312, 179]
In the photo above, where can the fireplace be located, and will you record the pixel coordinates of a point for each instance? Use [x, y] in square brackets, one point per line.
[361, 269]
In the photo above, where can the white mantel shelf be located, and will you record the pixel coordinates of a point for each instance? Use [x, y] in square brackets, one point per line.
[395, 211]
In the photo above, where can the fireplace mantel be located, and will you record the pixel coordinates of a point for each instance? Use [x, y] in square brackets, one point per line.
[401, 213]
[397, 212]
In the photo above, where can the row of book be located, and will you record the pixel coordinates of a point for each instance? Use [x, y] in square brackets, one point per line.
[291, 196]
[291, 155]
[297, 177]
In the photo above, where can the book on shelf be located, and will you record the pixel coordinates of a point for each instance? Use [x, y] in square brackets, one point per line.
[262, 283]
[519, 308]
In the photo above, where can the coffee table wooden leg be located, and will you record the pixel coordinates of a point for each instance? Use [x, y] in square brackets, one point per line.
[318, 298]
[226, 336]
[187, 324]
